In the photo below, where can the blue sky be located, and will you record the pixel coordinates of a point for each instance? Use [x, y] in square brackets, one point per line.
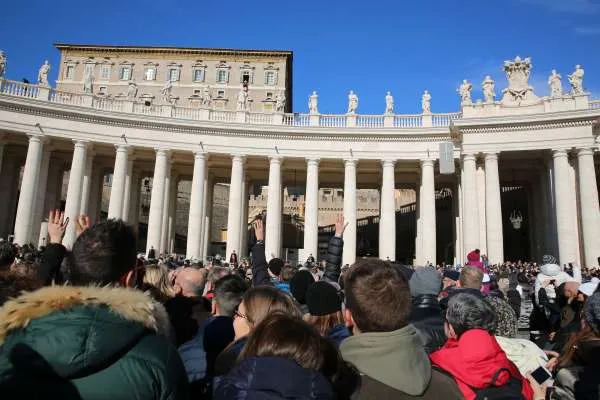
[367, 46]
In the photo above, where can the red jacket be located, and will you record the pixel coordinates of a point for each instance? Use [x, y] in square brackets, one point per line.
[473, 359]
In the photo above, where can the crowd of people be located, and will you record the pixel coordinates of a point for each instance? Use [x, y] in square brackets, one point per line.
[99, 321]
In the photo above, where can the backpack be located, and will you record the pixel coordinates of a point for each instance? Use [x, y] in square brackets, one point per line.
[511, 390]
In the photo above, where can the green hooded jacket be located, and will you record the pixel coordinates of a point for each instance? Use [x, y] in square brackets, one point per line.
[88, 343]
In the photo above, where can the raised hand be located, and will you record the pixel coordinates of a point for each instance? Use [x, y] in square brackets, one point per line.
[83, 223]
[259, 229]
[57, 225]
[340, 226]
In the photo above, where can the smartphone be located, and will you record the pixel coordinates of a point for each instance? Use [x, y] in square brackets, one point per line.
[541, 375]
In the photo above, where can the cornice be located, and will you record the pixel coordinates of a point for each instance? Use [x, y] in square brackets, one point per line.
[535, 126]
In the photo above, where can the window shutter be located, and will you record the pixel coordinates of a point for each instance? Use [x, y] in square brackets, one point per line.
[226, 76]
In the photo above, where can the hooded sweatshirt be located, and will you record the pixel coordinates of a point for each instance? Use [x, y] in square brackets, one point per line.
[395, 359]
[474, 359]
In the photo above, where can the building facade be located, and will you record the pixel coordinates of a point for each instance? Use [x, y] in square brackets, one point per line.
[197, 77]
[541, 147]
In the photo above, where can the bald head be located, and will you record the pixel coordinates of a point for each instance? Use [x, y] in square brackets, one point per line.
[191, 281]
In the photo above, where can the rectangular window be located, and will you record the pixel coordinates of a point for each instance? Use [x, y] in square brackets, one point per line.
[150, 74]
[198, 75]
[269, 95]
[221, 76]
[197, 92]
[125, 74]
[173, 74]
[105, 72]
[221, 94]
[69, 72]
[102, 90]
[270, 78]
[246, 77]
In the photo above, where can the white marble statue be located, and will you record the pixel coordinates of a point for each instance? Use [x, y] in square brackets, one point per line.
[88, 83]
[488, 86]
[554, 80]
[165, 92]
[352, 102]
[518, 90]
[576, 80]
[2, 63]
[313, 103]
[43, 74]
[465, 92]
[242, 99]
[426, 102]
[389, 103]
[206, 97]
[280, 102]
[132, 90]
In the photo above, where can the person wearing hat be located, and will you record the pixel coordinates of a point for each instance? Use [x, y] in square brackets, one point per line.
[325, 311]
[426, 313]
[299, 285]
[449, 281]
[578, 374]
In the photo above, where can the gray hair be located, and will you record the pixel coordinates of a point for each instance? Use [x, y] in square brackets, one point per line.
[216, 273]
[467, 311]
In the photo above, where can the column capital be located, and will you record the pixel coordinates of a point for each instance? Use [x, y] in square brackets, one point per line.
[162, 151]
[200, 154]
[490, 155]
[469, 157]
[37, 137]
[559, 153]
[313, 160]
[350, 162]
[388, 162]
[81, 143]
[586, 151]
[276, 158]
[122, 147]
[426, 163]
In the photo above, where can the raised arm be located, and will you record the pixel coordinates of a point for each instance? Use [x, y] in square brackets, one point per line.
[334, 252]
[260, 274]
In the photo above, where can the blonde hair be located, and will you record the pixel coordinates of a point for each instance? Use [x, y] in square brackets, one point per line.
[156, 281]
[261, 301]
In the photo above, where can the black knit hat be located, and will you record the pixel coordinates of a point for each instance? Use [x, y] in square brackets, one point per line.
[323, 299]
[275, 266]
[300, 283]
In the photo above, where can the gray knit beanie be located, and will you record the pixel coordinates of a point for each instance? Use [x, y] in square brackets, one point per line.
[592, 312]
[425, 280]
[548, 259]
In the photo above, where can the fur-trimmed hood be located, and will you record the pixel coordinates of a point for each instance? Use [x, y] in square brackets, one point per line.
[74, 329]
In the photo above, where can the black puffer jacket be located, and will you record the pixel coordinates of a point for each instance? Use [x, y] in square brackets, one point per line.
[426, 317]
[334, 259]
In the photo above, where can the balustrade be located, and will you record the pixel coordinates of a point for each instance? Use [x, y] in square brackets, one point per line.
[26, 90]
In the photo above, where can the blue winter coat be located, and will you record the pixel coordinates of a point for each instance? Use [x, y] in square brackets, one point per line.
[338, 333]
[270, 378]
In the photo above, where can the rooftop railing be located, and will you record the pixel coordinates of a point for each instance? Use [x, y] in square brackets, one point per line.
[146, 107]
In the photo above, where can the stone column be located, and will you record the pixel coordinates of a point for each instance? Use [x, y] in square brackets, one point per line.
[172, 214]
[470, 206]
[25, 207]
[40, 200]
[564, 213]
[458, 225]
[157, 199]
[234, 213]
[481, 203]
[590, 211]
[164, 236]
[428, 220]
[127, 192]
[311, 209]
[273, 227]
[73, 202]
[575, 207]
[244, 221]
[387, 214]
[86, 186]
[349, 256]
[117, 192]
[418, 225]
[195, 222]
[493, 210]
[207, 216]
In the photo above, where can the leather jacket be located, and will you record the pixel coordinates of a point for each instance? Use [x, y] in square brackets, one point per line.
[426, 317]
